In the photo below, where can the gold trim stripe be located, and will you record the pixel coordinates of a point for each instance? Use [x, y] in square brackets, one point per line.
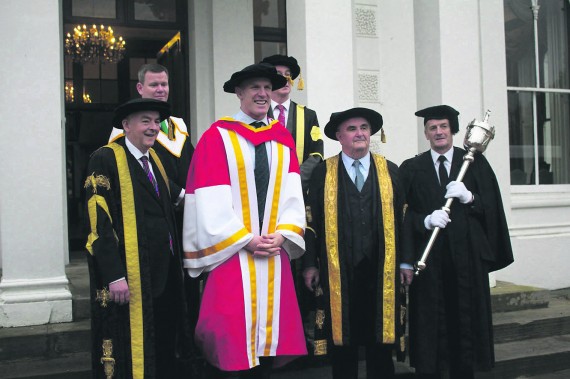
[160, 168]
[94, 201]
[318, 155]
[249, 127]
[276, 190]
[271, 260]
[291, 227]
[331, 231]
[300, 133]
[389, 292]
[132, 260]
[217, 247]
[242, 179]
[253, 289]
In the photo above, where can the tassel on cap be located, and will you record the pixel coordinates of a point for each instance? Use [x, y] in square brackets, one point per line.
[382, 135]
[301, 82]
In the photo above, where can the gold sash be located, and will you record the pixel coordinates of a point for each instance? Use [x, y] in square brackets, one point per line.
[331, 232]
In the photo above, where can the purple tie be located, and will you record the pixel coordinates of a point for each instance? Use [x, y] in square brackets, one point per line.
[146, 168]
[281, 117]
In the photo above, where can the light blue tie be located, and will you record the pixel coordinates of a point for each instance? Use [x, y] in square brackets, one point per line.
[358, 179]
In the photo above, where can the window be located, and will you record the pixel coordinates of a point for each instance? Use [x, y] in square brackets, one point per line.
[269, 28]
[538, 84]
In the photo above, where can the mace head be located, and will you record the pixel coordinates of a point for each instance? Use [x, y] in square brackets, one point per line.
[479, 134]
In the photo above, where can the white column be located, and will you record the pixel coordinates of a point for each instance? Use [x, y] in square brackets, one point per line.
[201, 59]
[320, 36]
[233, 48]
[33, 223]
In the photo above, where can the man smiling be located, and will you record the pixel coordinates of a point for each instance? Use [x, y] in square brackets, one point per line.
[243, 221]
[134, 258]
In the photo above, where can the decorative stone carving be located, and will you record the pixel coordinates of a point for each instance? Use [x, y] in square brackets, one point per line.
[368, 88]
[365, 21]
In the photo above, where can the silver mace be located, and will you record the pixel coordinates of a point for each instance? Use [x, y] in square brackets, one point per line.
[477, 137]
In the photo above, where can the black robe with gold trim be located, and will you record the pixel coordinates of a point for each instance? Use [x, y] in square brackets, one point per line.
[304, 127]
[474, 243]
[327, 247]
[130, 235]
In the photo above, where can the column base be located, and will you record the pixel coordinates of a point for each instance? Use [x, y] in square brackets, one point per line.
[35, 302]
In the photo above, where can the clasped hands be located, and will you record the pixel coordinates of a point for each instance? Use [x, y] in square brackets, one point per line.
[266, 246]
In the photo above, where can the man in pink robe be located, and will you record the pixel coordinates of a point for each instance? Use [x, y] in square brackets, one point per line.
[243, 221]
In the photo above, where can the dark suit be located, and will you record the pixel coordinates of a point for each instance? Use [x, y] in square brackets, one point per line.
[364, 245]
[312, 153]
[152, 266]
[450, 311]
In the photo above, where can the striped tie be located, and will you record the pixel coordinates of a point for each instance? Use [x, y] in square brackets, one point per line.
[149, 174]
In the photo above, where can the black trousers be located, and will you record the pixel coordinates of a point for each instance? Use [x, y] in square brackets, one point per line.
[165, 312]
[263, 371]
[379, 362]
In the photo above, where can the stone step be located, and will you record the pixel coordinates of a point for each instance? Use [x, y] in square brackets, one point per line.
[44, 341]
[61, 350]
[530, 357]
[65, 366]
[508, 297]
[533, 323]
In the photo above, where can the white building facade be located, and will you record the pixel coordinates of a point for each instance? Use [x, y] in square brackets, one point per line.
[394, 56]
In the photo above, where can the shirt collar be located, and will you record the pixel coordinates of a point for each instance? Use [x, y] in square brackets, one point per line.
[134, 150]
[246, 119]
[448, 155]
[286, 104]
[364, 161]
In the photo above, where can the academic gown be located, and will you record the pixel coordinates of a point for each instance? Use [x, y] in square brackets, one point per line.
[249, 308]
[327, 249]
[129, 237]
[473, 244]
[174, 154]
[309, 148]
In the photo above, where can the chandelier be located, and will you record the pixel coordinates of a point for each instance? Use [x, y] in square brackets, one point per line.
[94, 45]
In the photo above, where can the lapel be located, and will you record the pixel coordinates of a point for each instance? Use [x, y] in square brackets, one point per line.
[162, 187]
[456, 163]
[138, 175]
[428, 169]
[430, 178]
[292, 120]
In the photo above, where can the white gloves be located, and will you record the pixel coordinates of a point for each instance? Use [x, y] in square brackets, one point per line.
[458, 190]
[438, 218]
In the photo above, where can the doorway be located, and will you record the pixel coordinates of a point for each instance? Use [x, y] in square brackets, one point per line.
[154, 31]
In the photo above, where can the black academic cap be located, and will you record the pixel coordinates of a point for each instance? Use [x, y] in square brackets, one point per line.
[140, 105]
[337, 118]
[283, 60]
[260, 70]
[440, 112]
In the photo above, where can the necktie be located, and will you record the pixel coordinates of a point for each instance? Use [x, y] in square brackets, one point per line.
[261, 172]
[281, 117]
[443, 177]
[359, 178]
[146, 168]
